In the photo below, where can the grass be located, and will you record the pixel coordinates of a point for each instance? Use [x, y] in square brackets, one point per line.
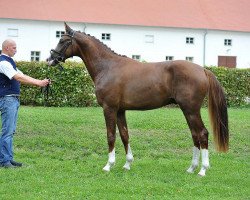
[65, 149]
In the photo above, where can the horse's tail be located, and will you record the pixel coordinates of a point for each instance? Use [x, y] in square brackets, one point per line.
[217, 107]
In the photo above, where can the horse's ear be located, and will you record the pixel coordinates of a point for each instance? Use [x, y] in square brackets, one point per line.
[67, 28]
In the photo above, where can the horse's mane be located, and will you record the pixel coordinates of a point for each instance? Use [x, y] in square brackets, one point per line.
[104, 45]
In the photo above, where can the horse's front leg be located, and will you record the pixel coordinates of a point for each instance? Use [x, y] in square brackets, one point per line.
[110, 118]
[122, 126]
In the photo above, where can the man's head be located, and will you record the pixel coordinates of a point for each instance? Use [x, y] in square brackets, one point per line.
[9, 47]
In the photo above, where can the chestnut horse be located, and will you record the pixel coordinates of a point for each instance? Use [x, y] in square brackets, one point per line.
[124, 84]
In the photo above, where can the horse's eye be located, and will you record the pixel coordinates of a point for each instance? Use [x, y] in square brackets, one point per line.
[61, 41]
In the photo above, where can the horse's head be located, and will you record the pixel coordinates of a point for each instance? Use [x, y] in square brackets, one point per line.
[64, 48]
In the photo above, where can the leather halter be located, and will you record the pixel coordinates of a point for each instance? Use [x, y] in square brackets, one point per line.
[60, 56]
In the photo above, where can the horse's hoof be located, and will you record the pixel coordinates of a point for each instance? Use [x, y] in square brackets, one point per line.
[202, 173]
[190, 171]
[106, 168]
[203, 170]
[126, 167]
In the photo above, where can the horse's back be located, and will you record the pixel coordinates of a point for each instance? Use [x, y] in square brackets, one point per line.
[153, 85]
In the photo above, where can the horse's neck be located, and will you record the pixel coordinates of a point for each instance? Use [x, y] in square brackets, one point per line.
[96, 57]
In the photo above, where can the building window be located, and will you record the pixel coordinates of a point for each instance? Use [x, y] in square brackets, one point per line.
[136, 57]
[106, 36]
[59, 34]
[149, 38]
[189, 40]
[228, 42]
[191, 59]
[35, 56]
[12, 32]
[169, 58]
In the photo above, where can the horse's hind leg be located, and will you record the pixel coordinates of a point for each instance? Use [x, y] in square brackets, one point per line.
[110, 118]
[200, 140]
[195, 160]
[122, 126]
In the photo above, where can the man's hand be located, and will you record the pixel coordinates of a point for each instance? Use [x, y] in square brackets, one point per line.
[31, 81]
[44, 82]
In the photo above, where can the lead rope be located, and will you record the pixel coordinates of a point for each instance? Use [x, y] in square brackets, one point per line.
[47, 90]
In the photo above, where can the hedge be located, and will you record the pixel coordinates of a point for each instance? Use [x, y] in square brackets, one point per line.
[236, 84]
[74, 87]
[70, 87]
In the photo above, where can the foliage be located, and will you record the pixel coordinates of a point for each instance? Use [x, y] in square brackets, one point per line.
[64, 150]
[74, 87]
[236, 84]
[70, 87]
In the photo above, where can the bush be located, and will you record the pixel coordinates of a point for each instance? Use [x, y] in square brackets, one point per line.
[70, 87]
[236, 84]
[74, 87]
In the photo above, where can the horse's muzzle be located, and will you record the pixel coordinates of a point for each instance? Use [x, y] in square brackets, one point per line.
[51, 62]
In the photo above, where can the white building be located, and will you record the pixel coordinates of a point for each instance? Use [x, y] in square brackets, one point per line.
[155, 30]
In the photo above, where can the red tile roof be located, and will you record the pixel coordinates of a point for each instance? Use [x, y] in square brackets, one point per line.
[205, 14]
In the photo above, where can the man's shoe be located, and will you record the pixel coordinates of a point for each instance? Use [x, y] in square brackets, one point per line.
[16, 164]
[8, 165]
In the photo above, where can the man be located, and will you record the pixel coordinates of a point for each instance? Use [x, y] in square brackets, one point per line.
[10, 78]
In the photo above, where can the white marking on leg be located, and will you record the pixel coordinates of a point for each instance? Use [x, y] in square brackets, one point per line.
[195, 160]
[129, 159]
[205, 162]
[111, 161]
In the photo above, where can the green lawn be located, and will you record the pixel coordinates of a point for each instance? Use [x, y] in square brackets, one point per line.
[65, 149]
